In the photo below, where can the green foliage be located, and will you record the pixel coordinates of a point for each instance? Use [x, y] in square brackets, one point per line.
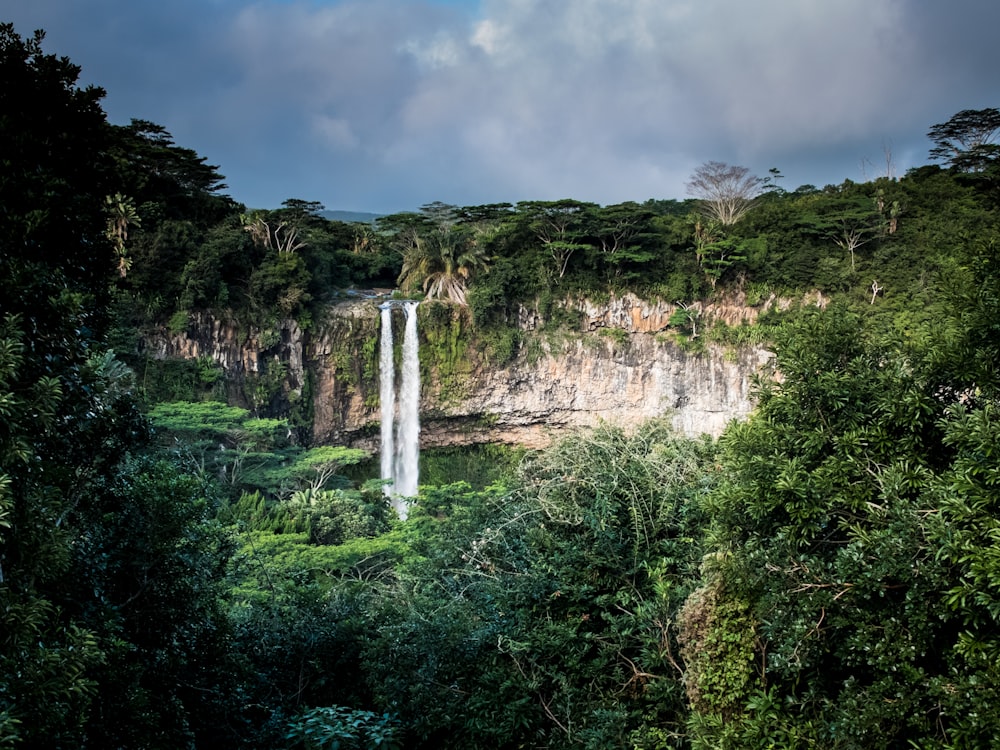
[544, 615]
[478, 465]
[280, 285]
[354, 356]
[323, 457]
[269, 559]
[167, 380]
[313, 468]
[757, 293]
[212, 419]
[501, 345]
[444, 346]
[743, 336]
[250, 454]
[618, 335]
[843, 548]
[109, 564]
[335, 516]
[966, 141]
[685, 318]
[155, 561]
[266, 386]
[64, 420]
[340, 728]
[178, 322]
[440, 256]
[717, 636]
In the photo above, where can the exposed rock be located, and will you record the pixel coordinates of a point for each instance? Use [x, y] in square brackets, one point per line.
[591, 379]
[619, 369]
[241, 352]
[635, 315]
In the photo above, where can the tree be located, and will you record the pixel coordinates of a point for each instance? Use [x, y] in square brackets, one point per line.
[99, 592]
[176, 182]
[616, 227]
[726, 192]
[177, 201]
[686, 315]
[443, 260]
[272, 234]
[121, 216]
[851, 596]
[56, 266]
[541, 616]
[849, 221]
[154, 564]
[312, 469]
[967, 141]
[330, 726]
[623, 234]
[560, 226]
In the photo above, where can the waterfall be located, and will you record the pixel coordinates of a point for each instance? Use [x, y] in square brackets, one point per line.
[408, 435]
[387, 392]
[400, 412]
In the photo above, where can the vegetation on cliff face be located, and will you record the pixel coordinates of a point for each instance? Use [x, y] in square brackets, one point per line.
[826, 574]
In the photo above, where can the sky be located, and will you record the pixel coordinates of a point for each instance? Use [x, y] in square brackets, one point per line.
[387, 105]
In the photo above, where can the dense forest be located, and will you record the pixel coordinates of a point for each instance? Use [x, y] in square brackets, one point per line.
[176, 571]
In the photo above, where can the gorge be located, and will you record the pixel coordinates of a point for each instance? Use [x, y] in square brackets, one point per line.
[617, 364]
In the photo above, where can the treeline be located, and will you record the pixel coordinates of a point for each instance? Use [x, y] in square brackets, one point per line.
[893, 234]
[824, 575]
[887, 243]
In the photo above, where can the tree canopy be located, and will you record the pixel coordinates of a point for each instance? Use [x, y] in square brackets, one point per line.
[727, 192]
[967, 141]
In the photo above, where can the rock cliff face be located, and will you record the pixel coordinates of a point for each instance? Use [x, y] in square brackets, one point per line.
[619, 368]
[587, 381]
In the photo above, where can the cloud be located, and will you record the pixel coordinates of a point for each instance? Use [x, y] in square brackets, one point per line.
[387, 104]
[336, 131]
[606, 99]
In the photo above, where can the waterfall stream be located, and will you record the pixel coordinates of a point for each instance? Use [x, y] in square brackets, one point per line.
[400, 412]
[387, 395]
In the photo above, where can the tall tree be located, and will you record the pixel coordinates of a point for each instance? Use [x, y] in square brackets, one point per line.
[55, 268]
[726, 192]
[561, 227]
[442, 261]
[623, 232]
[121, 217]
[967, 141]
[67, 419]
[852, 598]
[849, 221]
[179, 182]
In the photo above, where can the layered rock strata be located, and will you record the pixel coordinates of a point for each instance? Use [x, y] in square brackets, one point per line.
[619, 367]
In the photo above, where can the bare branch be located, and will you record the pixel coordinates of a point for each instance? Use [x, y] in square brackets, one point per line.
[727, 192]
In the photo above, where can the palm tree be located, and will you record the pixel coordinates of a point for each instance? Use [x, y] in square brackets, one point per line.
[443, 260]
[271, 234]
[121, 215]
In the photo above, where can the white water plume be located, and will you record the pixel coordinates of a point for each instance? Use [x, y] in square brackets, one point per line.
[387, 393]
[400, 411]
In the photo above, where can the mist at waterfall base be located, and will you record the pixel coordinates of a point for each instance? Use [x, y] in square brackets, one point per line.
[400, 438]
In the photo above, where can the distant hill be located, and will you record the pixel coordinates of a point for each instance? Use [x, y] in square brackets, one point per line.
[350, 216]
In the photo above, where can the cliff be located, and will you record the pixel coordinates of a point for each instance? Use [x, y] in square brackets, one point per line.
[618, 366]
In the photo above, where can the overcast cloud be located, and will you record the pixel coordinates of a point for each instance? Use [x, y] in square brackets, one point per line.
[385, 105]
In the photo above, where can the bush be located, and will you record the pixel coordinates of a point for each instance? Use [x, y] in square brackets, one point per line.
[340, 728]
